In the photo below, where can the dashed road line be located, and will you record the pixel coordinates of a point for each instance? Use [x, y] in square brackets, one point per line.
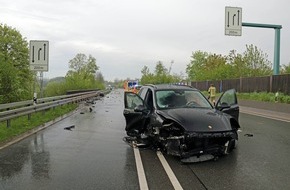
[140, 170]
[169, 171]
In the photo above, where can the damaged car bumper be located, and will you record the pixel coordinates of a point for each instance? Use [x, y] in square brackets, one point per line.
[202, 145]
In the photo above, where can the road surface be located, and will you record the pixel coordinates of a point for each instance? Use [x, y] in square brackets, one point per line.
[92, 155]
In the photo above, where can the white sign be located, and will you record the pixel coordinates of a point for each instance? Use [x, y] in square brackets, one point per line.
[38, 55]
[233, 21]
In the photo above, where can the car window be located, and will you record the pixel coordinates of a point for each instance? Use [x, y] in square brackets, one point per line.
[228, 98]
[181, 98]
[142, 93]
[132, 100]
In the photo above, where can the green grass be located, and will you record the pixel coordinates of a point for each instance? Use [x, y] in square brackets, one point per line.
[264, 97]
[22, 124]
[259, 96]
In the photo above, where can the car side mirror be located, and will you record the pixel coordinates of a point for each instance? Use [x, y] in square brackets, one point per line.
[140, 108]
[223, 106]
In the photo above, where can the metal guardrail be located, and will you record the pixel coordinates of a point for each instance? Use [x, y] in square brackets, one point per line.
[17, 109]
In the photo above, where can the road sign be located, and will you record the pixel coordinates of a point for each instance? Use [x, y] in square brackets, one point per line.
[233, 21]
[38, 55]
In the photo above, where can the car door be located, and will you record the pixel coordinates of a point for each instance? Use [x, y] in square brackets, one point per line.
[134, 112]
[228, 103]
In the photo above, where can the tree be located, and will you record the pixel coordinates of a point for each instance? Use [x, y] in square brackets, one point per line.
[207, 66]
[82, 65]
[82, 75]
[216, 68]
[256, 61]
[161, 75]
[147, 77]
[99, 77]
[238, 67]
[82, 72]
[195, 69]
[286, 69]
[16, 79]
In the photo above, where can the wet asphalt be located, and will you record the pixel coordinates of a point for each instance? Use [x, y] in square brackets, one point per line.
[92, 155]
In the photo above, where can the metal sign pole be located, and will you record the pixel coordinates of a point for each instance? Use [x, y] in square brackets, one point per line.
[41, 84]
[34, 89]
[277, 28]
[277, 52]
[38, 59]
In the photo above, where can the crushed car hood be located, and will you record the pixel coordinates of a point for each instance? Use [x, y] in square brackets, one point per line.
[198, 119]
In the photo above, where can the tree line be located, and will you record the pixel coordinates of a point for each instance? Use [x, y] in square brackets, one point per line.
[203, 66]
[251, 63]
[17, 81]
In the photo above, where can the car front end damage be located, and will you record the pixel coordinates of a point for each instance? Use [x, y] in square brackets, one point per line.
[195, 146]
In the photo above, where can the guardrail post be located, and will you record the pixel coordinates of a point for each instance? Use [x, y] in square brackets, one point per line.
[271, 83]
[8, 123]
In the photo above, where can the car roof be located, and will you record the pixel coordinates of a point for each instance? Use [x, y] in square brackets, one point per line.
[170, 86]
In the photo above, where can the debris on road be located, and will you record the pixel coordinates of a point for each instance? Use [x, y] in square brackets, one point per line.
[69, 128]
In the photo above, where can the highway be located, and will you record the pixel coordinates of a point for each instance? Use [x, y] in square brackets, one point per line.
[93, 155]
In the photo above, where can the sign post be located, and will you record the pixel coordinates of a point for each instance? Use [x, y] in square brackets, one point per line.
[38, 59]
[277, 28]
[38, 55]
[233, 21]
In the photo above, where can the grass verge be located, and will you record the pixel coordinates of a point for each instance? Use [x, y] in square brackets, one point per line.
[259, 96]
[22, 124]
[265, 97]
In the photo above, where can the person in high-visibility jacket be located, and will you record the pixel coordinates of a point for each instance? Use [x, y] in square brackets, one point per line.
[212, 91]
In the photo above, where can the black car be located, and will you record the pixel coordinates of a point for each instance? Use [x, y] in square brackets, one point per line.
[181, 121]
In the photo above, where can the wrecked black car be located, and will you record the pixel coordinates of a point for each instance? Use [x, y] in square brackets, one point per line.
[180, 121]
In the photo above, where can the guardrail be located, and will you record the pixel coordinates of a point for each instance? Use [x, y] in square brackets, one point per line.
[17, 109]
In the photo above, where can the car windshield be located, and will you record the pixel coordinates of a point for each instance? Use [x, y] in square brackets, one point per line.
[170, 99]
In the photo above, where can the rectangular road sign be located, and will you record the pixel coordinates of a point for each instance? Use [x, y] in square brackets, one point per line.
[233, 21]
[38, 55]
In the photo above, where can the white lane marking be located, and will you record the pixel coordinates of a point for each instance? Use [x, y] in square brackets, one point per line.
[169, 171]
[140, 170]
[265, 116]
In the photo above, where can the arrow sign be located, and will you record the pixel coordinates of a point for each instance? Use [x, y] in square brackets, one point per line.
[44, 45]
[233, 21]
[38, 55]
[32, 54]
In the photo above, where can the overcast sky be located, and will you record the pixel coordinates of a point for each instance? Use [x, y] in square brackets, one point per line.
[126, 35]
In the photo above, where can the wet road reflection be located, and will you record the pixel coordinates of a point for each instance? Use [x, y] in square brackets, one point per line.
[39, 158]
[90, 156]
[17, 157]
[12, 160]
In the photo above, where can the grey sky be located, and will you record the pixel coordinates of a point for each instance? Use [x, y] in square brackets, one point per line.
[125, 35]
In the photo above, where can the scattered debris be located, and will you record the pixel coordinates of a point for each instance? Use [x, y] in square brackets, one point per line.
[200, 158]
[249, 135]
[82, 113]
[69, 128]
[91, 109]
[140, 143]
